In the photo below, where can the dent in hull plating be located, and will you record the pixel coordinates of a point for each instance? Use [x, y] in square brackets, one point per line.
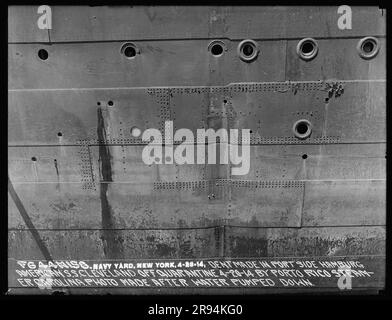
[313, 99]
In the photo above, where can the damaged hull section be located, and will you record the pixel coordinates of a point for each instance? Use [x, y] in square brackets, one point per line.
[309, 215]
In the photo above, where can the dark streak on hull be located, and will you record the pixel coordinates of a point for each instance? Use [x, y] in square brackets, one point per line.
[112, 245]
[26, 218]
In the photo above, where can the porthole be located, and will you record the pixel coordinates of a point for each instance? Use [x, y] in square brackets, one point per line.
[129, 50]
[307, 48]
[217, 48]
[368, 47]
[43, 54]
[248, 50]
[302, 129]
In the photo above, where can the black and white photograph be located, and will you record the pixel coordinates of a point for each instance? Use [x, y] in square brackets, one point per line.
[196, 150]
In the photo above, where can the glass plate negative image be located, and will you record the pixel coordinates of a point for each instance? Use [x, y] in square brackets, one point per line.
[196, 149]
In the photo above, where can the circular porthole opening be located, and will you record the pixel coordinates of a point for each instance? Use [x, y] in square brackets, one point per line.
[307, 48]
[302, 129]
[43, 54]
[248, 50]
[129, 50]
[368, 47]
[217, 48]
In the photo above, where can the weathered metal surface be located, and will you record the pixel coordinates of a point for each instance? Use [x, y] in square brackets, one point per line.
[21, 22]
[355, 115]
[201, 243]
[60, 164]
[345, 203]
[336, 59]
[79, 189]
[93, 244]
[75, 115]
[316, 162]
[189, 63]
[103, 23]
[190, 204]
[299, 242]
[268, 162]
[271, 115]
[168, 63]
